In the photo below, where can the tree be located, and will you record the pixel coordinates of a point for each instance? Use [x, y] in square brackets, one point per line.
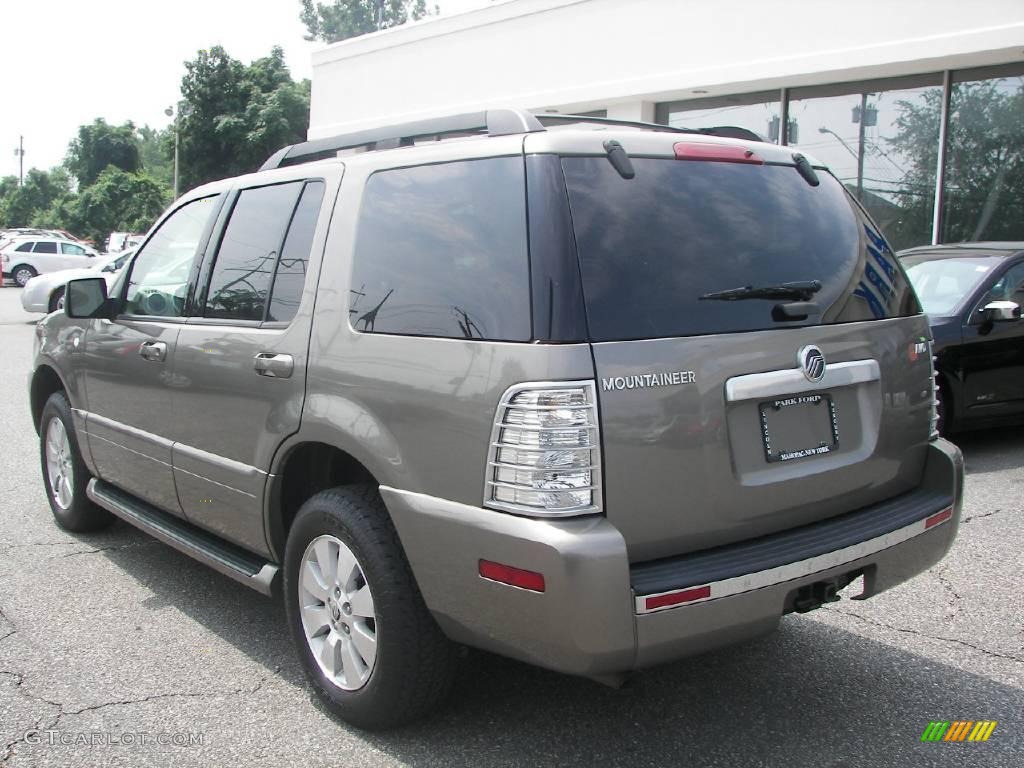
[343, 19]
[99, 145]
[117, 202]
[156, 153]
[234, 116]
[23, 206]
[984, 181]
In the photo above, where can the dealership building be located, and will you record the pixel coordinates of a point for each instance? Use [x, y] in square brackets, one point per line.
[917, 106]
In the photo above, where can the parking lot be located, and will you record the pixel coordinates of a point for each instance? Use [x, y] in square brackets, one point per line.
[117, 650]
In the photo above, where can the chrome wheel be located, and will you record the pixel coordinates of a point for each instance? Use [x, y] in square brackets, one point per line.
[22, 276]
[59, 469]
[337, 612]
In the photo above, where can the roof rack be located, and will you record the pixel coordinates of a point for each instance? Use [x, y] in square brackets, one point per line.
[493, 122]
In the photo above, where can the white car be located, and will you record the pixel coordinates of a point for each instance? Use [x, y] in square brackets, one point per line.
[45, 293]
[26, 257]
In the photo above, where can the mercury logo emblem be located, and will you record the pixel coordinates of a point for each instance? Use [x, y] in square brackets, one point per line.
[811, 362]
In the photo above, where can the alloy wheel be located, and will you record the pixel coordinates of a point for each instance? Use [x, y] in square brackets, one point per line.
[337, 612]
[59, 468]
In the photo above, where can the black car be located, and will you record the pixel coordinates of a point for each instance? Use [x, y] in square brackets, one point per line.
[973, 294]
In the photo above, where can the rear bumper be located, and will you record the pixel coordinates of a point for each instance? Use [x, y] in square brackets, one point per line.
[593, 618]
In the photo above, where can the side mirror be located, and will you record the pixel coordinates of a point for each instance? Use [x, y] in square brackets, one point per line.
[86, 297]
[1001, 311]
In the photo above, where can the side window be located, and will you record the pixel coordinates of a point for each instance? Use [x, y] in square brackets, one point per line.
[441, 251]
[248, 252]
[1009, 287]
[24, 247]
[158, 282]
[72, 250]
[291, 268]
[45, 247]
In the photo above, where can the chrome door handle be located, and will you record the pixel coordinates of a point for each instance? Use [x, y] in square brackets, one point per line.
[273, 365]
[154, 351]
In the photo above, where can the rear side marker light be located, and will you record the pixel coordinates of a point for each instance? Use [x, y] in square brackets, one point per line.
[675, 598]
[721, 153]
[939, 517]
[515, 577]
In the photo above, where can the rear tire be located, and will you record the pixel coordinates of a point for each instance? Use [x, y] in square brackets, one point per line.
[65, 475]
[22, 274]
[944, 409]
[370, 648]
[57, 300]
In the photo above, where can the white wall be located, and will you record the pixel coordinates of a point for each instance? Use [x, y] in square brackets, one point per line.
[626, 55]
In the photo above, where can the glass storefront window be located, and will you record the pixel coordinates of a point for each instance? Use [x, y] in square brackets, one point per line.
[881, 141]
[983, 190]
[757, 112]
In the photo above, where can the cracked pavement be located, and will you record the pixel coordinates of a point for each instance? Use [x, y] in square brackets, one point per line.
[119, 636]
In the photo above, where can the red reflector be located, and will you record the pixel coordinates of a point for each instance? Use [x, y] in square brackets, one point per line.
[939, 517]
[517, 577]
[722, 153]
[675, 598]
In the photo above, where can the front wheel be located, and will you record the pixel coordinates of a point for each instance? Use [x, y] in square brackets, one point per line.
[369, 646]
[23, 274]
[57, 300]
[65, 475]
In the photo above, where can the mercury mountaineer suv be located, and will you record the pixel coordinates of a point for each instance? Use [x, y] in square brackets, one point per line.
[591, 395]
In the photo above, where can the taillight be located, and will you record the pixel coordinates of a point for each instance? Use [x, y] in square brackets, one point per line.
[933, 421]
[545, 453]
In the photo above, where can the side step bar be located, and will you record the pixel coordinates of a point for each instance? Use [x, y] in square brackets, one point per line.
[224, 557]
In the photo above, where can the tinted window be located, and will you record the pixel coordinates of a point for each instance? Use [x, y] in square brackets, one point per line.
[45, 247]
[24, 247]
[291, 268]
[652, 246]
[72, 249]
[159, 278]
[248, 252]
[1009, 287]
[441, 251]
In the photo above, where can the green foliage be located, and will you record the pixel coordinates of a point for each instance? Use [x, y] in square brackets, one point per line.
[117, 201]
[156, 151]
[343, 19]
[23, 206]
[99, 145]
[234, 116]
[984, 182]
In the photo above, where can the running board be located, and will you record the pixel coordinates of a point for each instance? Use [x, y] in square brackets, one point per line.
[223, 556]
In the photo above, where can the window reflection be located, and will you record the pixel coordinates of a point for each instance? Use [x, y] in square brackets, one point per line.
[883, 146]
[984, 182]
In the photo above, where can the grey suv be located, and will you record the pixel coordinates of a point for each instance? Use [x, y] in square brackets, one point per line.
[591, 395]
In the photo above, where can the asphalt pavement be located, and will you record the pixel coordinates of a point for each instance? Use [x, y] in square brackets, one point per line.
[116, 650]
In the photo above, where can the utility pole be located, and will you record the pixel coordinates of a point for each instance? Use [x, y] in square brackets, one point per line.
[176, 114]
[20, 153]
[860, 146]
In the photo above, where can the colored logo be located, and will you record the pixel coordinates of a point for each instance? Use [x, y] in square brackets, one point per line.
[958, 730]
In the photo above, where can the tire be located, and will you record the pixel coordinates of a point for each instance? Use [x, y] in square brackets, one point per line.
[22, 274]
[62, 466]
[56, 300]
[413, 664]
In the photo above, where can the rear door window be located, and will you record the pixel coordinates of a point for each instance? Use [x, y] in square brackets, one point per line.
[248, 253]
[441, 251]
[290, 278]
[650, 247]
[45, 247]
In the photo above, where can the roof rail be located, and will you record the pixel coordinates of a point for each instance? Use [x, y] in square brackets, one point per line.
[493, 122]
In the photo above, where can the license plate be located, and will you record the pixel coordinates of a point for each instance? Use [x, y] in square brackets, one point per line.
[799, 427]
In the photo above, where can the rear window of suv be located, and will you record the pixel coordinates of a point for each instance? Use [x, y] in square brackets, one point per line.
[650, 247]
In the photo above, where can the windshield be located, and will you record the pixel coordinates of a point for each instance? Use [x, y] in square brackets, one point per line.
[943, 283]
[651, 247]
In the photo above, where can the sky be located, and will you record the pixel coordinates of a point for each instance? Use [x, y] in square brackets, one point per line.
[64, 63]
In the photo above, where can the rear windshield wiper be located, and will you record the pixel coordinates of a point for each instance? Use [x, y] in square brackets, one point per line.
[801, 291]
